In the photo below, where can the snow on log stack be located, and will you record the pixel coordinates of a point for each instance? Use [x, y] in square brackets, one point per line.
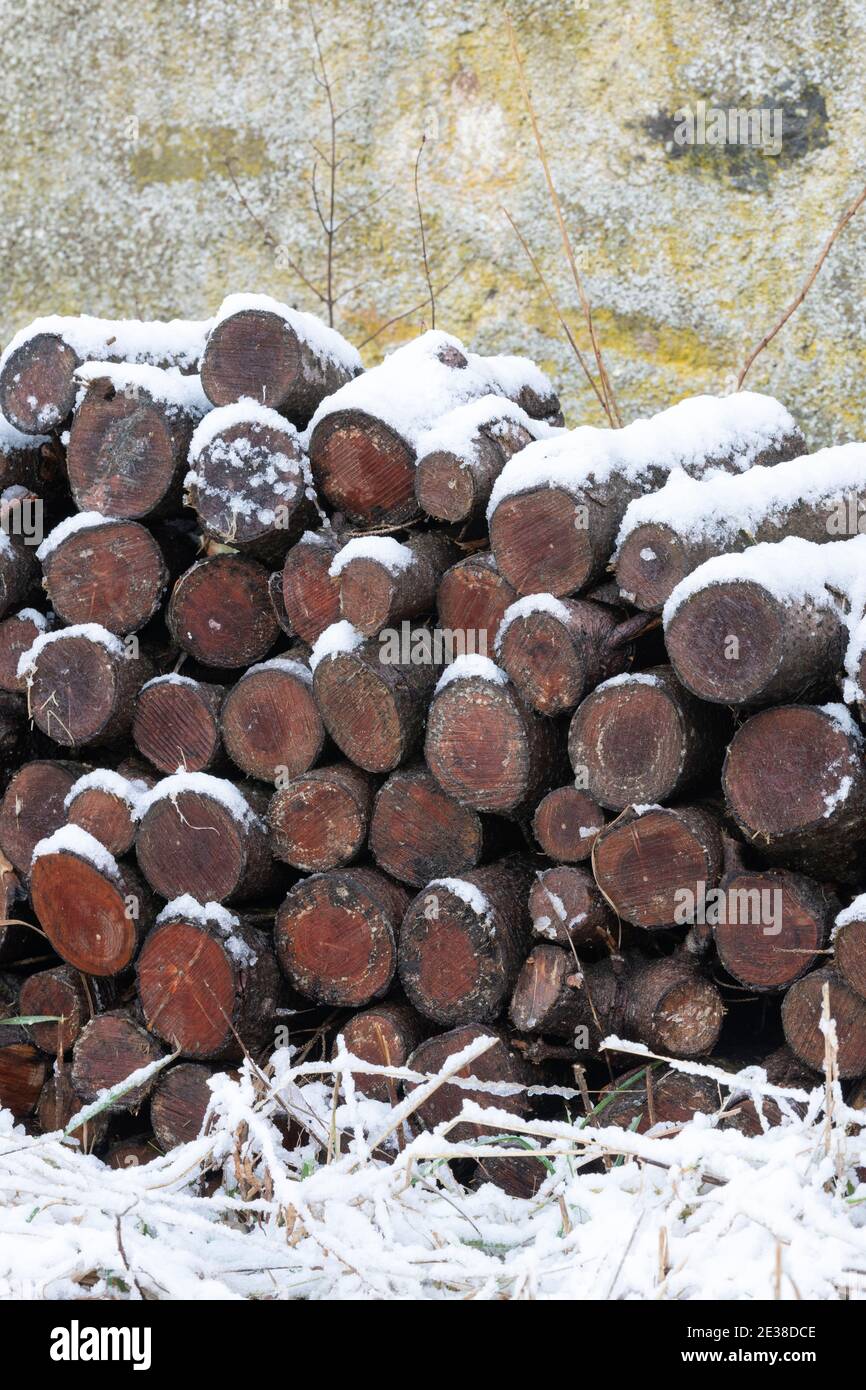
[321, 715]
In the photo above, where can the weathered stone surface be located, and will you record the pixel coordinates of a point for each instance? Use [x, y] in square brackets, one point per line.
[116, 198]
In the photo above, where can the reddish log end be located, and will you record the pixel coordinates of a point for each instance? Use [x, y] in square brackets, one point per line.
[220, 612]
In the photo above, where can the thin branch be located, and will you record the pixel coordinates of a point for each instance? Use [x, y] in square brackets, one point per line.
[332, 169]
[268, 237]
[807, 284]
[606, 388]
[424, 236]
[415, 307]
[556, 309]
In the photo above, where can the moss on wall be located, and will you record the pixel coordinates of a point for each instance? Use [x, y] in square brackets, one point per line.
[118, 121]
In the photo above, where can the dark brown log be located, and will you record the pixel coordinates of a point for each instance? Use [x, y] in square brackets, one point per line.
[204, 836]
[83, 683]
[566, 823]
[278, 603]
[486, 747]
[556, 650]
[310, 594]
[16, 739]
[499, 1063]
[336, 935]
[372, 707]
[455, 486]
[375, 594]
[17, 940]
[131, 1153]
[849, 946]
[385, 1035]
[802, 1011]
[795, 783]
[220, 612]
[59, 992]
[319, 821]
[649, 1097]
[93, 910]
[127, 450]
[17, 635]
[33, 808]
[19, 569]
[59, 1102]
[418, 832]
[769, 928]
[249, 483]
[178, 1103]
[270, 725]
[666, 1004]
[208, 982]
[472, 601]
[641, 738]
[656, 867]
[565, 906]
[111, 573]
[267, 356]
[463, 941]
[104, 804]
[22, 1075]
[109, 1049]
[737, 643]
[176, 724]
[37, 385]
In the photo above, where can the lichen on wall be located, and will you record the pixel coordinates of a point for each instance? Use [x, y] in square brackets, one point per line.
[124, 126]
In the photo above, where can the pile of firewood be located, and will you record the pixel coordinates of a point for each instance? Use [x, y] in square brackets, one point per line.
[340, 702]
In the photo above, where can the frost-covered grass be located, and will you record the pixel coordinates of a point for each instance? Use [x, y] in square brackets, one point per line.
[361, 1209]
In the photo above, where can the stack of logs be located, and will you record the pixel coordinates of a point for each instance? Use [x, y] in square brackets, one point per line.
[250, 797]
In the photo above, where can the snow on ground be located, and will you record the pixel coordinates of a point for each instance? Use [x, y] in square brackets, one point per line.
[362, 1210]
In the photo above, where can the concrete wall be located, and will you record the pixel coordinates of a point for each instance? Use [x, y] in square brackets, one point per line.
[117, 118]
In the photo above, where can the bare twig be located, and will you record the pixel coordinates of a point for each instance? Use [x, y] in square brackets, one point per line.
[415, 307]
[424, 259]
[807, 284]
[267, 235]
[611, 408]
[556, 309]
[332, 164]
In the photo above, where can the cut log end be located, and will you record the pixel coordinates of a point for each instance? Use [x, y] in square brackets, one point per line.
[176, 725]
[178, 1104]
[37, 385]
[310, 595]
[566, 824]
[113, 574]
[541, 542]
[650, 564]
[802, 1012]
[270, 724]
[385, 1036]
[110, 1048]
[319, 821]
[656, 868]
[220, 612]
[418, 832]
[106, 816]
[85, 913]
[364, 468]
[56, 993]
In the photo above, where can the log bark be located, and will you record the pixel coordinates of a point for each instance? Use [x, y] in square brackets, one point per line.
[374, 596]
[111, 573]
[566, 824]
[311, 596]
[849, 948]
[270, 725]
[17, 941]
[641, 738]
[220, 612]
[109, 1049]
[32, 808]
[59, 992]
[487, 748]
[471, 602]
[501, 1063]
[257, 354]
[463, 941]
[19, 570]
[555, 657]
[336, 936]
[208, 989]
[178, 1103]
[770, 927]
[566, 906]
[176, 724]
[418, 832]
[801, 1019]
[250, 487]
[455, 487]
[385, 1035]
[127, 451]
[373, 708]
[737, 643]
[95, 918]
[795, 784]
[23, 1071]
[319, 821]
[655, 868]
[645, 1098]
[17, 635]
[82, 690]
[191, 839]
